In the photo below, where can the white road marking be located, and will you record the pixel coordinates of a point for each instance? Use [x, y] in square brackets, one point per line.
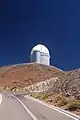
[29, 112]
[52, 107]
[0, 98]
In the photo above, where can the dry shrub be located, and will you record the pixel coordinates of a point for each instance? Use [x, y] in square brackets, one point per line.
[73, 104]
[40, 95]
[61, 100]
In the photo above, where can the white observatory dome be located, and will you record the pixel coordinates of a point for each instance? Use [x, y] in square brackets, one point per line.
[40, 54]
[41, 48]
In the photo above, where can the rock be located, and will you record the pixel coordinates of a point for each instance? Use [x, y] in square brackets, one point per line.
[78, 96]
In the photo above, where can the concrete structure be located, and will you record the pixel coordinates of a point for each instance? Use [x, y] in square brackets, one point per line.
[40, 54]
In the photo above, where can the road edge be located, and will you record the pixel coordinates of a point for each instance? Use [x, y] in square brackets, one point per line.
[67, 113]
[0, 99]
[25, 107]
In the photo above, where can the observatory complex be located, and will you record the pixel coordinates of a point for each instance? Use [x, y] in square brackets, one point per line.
[40, 54]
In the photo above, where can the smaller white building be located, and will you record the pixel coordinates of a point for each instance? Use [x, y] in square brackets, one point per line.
[40, 54]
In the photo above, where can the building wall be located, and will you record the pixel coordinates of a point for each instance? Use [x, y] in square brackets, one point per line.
[44, 59]
[35, 57]
[39, 57]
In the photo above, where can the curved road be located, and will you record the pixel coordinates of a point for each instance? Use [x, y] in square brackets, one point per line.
[21, 108]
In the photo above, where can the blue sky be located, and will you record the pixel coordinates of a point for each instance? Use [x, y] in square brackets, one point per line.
[55, 23]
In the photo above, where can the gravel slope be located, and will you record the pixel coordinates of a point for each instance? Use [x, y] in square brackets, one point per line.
[27, 74]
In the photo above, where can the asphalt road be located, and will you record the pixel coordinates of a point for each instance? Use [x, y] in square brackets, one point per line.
[27, 109]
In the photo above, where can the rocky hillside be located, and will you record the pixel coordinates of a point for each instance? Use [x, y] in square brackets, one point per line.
[67, 84]
[40, 77]
[62, 91]
[23, 75]
[44, 82]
